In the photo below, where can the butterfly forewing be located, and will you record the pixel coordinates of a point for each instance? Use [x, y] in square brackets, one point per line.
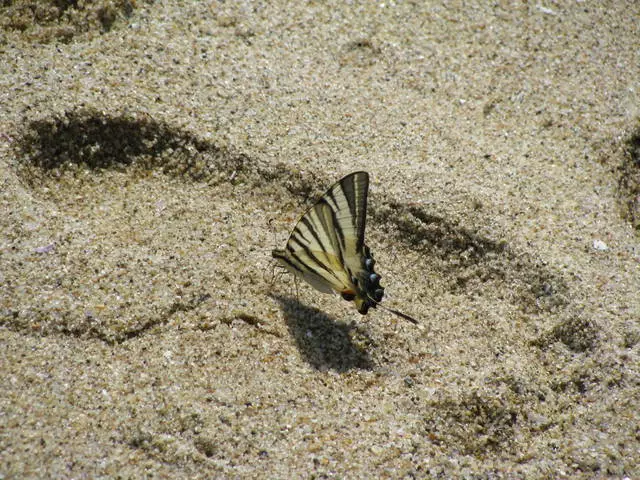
[325, 245]
[313, 248]
[348, 200]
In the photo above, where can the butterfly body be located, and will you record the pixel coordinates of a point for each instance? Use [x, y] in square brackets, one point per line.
[326, 247]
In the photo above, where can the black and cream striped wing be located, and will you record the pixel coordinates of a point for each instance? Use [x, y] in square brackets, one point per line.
[325, 246]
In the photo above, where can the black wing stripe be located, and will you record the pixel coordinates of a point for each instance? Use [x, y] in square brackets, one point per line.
[361, 205]
[349, 192]
[310, 227]
[334, 201]
[348, 200]
[336, 227]
[340, 234]
[309, 222]
[311, 256]
[286, 260]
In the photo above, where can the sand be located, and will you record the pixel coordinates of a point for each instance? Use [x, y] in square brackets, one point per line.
[153, 154]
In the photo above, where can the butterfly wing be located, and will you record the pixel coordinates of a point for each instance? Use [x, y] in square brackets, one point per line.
[324, 246]
[348, 200]
[327, 249]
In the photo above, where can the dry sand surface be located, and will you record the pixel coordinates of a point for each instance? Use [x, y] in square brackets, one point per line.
[153, 154]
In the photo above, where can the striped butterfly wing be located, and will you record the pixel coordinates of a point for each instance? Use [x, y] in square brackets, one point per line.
[327, 249]
[325, 246]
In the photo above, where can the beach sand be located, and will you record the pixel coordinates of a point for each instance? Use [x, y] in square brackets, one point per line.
[153, 154]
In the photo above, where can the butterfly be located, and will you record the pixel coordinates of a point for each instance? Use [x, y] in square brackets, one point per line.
[326, 247]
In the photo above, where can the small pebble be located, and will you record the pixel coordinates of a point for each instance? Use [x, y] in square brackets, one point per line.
[600, 245]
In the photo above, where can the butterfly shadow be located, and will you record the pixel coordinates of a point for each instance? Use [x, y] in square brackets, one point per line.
[325, 343]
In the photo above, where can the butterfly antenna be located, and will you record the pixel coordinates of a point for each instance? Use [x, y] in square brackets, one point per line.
[396, 312]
